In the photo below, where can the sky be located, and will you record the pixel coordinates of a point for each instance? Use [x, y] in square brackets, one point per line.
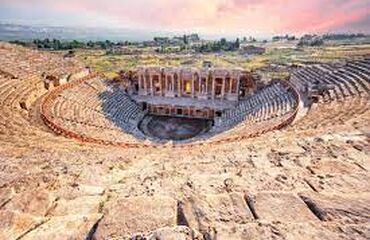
[217, 17]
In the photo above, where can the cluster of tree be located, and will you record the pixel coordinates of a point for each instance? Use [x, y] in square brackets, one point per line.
[318, 40]
[310, 40]
[161, 39]
[343, 36]
[55, 44]
[249, 39]
[217, 46]
[284, 37]
[203, 47]
[184, 39]
[190, 38]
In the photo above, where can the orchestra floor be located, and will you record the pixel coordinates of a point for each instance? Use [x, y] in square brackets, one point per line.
[174, 128]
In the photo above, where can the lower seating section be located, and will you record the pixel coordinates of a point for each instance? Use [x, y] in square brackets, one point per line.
[120, 108]
[271, 102]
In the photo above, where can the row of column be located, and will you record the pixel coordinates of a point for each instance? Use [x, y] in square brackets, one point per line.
[175, 86]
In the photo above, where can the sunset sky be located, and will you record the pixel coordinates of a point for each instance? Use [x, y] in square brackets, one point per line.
[203, 16]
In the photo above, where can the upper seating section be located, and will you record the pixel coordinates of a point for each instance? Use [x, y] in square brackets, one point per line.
[334, 82]
[21, 89]
[24, 63]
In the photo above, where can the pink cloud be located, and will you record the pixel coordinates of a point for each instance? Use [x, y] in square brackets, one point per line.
[220, 15]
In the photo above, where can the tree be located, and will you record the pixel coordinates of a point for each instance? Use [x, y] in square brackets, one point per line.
[223, 42]
[90, 44]
[56, 44]
[237, 44]
[185, 39]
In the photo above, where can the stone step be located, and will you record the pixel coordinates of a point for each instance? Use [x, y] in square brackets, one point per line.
[354, 209]
[282, 207]
[202, 212]
[126, 216]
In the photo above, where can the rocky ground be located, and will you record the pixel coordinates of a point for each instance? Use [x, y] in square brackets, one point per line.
[277, 186]
[310, 180]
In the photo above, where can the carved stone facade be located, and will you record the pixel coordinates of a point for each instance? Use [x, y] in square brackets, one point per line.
[181, 111]
[187, 92]
[188, 82]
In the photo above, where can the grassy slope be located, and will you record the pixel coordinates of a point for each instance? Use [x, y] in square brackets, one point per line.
[110, 64]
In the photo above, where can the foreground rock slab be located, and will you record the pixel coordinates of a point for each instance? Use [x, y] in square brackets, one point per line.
[14, 225]
[342, 209]
[172, 233]
[205, 212]
[37, 202]
[127, 216]
[66, 227]
[283, 207]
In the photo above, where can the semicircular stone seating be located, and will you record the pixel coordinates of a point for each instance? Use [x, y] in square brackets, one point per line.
[95, 109]
[347, 95]
[266, 110]
[21, 85]
[54, 186]
[98, 111]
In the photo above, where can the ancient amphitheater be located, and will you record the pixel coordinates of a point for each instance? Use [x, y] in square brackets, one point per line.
[168, 153]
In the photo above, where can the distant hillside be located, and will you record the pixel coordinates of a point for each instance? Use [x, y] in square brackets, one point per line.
[11, 32]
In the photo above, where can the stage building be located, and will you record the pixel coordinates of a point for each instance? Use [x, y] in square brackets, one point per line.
[188, 92]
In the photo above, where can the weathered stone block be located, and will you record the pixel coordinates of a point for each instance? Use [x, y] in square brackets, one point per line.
[204, 212]
[283, 207]
[354, 209]
[126, 216]
[14, 224]
[66, 227]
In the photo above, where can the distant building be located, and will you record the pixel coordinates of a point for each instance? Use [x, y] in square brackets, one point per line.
[251, 49]
[161, 40]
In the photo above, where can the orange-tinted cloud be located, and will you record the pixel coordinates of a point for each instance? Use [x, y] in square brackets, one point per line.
[213, 16]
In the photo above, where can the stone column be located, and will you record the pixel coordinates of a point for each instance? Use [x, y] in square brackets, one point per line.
[228, 91]
[223, 87]
[213, 87]
[192, 85]
[165, 84]
[173, 84]
[160, 84]
[200, 79]
[180, 84]
[206, 90]
[151, 84]
[237, 87]
[145, 85]
[140, 76]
